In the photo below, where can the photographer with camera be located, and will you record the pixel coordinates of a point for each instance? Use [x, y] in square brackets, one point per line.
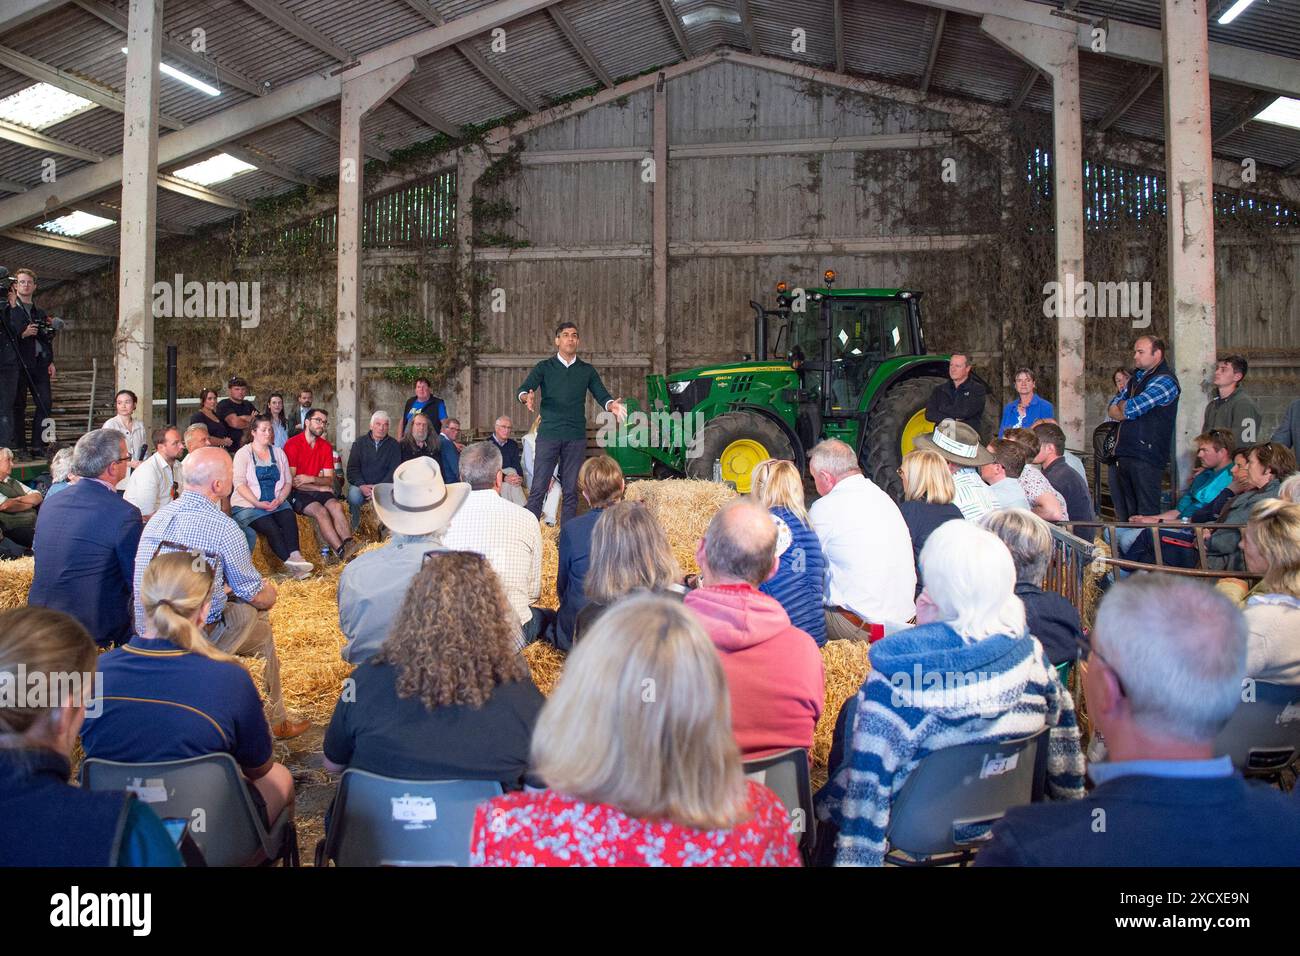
[35, 334]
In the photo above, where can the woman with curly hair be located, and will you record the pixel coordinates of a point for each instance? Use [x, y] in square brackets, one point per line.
[447, 696]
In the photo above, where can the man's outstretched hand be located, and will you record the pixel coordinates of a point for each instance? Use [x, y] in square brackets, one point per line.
[619, 409]
[530, 399]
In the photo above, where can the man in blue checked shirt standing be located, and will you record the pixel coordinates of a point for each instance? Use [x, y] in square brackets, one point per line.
[1147, 408]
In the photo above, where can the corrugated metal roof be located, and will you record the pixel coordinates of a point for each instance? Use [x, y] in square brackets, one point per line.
[449, 85]
[971, 64]
[775, 23]
[888, 39]
[605, 27]
[1271, 26]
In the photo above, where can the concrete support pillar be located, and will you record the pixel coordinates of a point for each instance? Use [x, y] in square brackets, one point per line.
[659, 241]
[470, 165]
[134, 340]
[360, 96]
[1190, 199]
[1056, 53]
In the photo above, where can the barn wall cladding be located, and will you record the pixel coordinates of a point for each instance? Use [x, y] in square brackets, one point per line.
[883, 192]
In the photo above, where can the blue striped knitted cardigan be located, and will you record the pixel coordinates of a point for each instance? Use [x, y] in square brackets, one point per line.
[1017, 694]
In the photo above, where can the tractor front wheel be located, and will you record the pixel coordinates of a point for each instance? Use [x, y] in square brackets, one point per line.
[737, 441]
[896, 421]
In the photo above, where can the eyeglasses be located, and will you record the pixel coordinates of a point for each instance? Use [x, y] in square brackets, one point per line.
[211, 557]
[1087, 651]
[120, 460]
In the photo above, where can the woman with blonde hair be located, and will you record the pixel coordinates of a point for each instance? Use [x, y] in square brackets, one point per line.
[1271, 546]
[636, 747]
[44, 820]
[928, 493]
[169, 694]
[776, 485]
[629, 552]
[447, 696]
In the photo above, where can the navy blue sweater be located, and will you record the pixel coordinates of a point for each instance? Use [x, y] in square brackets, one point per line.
[1153, 821]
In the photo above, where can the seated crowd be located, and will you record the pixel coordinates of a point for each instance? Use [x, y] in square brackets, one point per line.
[952, 581]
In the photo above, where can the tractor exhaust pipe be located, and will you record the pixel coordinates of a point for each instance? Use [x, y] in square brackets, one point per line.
[760, 332]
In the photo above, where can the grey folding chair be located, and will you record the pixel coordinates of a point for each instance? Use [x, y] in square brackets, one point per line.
[210, 792]
[952, 799]
[383, 821]
[1263, 735]
[786, 773]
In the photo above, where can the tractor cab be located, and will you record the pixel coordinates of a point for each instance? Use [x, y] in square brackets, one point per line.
[837, 339]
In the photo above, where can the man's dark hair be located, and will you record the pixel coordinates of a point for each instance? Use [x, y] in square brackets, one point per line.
[160, 434]
[427, 382]
[565, 325]
[236, 381]
[1025, 438]
[1009, 455]
[1157, 343]
[1238, 363]
[1049, 434]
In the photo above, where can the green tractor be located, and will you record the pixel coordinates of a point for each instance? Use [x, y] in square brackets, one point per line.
[853, 366]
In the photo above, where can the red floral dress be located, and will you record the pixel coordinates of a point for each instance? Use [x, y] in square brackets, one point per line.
[550, 829]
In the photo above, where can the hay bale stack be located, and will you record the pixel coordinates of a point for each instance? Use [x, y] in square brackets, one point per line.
[15, 582]
[545, 663]
[550, 566]
[309, 543]
[683, 508]
[846, 667]
[308, 641]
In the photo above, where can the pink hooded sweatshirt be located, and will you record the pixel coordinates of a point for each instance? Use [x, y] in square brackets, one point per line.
[774, 670]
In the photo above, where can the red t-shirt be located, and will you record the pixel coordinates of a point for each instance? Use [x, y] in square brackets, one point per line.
[550, 829]
[309, 460]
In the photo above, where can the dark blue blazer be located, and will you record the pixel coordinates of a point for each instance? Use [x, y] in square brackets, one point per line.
[1153, 821]
[575, 556]
[85, 544]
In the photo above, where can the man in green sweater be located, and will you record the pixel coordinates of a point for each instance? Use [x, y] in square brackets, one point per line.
[1231, 408]
[565, 381]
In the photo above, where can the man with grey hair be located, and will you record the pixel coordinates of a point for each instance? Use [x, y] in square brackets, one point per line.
[239, 623]
[774, 670]
[512, 463]
[870, 571]
[86, 541]
[196, 436]
[504, 533]
[373, 460]
[1050, 617]
[1164, 675]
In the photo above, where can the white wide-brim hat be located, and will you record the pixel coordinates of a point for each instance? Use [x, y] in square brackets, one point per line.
[957, 442]
[418, 501]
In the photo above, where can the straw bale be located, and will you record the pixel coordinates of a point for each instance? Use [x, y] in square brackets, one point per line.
[545, 663]
[846, 667]
[684, 508]
[15, 582]
[550, 566]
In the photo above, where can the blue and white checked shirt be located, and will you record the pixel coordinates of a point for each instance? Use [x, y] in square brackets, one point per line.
[1161, 391]
[194, 521]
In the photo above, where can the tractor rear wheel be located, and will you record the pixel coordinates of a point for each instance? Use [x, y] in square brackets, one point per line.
[738, 441]
[895, 423]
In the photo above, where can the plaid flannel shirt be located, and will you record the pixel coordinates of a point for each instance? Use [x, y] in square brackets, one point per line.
[1161, 391]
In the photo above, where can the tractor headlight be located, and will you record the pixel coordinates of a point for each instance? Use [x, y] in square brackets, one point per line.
[676, 388]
